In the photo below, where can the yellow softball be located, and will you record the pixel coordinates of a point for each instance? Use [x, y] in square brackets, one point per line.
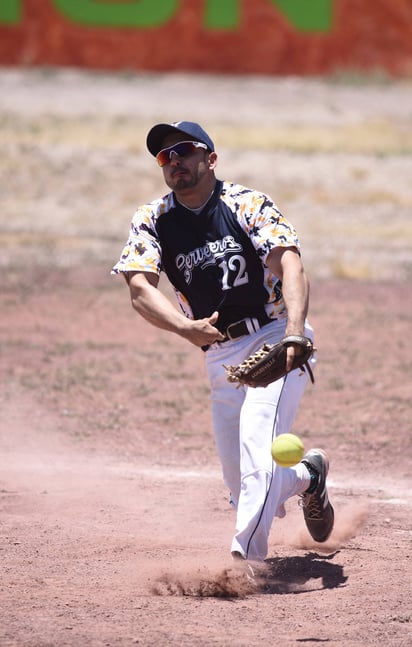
[287, 450]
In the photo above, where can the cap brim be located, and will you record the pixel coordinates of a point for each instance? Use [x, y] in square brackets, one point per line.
[156, 136]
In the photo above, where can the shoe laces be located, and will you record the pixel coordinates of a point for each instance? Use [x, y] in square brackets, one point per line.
[312, 505]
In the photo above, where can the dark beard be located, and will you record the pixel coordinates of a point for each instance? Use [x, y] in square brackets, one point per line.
[184, 183]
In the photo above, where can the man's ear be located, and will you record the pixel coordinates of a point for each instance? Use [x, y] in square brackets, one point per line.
[212, 160]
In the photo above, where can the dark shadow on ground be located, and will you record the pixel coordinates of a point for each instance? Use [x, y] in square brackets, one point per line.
[301, 574]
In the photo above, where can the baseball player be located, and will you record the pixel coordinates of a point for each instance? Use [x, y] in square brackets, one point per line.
[234, 262]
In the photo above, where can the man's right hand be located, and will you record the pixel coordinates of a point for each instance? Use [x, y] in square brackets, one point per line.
[202, 332]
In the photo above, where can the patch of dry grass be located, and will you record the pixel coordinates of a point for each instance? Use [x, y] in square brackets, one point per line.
[380, 136]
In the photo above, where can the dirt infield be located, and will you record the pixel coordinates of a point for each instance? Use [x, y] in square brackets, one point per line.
[115, 522]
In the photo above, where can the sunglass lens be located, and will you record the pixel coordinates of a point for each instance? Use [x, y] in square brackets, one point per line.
[184, 148]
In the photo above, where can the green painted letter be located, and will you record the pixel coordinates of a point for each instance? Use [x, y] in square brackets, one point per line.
[307, 15]
[10, 11]
[139, 13]
[222, 14]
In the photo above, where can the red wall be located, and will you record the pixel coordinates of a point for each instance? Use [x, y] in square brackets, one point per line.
[365, 35]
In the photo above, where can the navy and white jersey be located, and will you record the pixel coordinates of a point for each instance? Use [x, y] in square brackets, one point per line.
[214, 259]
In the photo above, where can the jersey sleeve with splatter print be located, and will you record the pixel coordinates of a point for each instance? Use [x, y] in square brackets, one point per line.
[260, 218]
[142, 252]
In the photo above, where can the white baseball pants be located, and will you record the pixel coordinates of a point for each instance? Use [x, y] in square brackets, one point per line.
[245, 423]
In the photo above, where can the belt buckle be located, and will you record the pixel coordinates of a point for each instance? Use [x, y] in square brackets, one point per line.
[232, 325]
[251, 325]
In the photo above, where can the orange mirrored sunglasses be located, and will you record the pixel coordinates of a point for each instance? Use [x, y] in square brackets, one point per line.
[181, 148]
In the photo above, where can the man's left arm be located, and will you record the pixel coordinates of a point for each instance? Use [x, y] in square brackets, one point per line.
[286, 264]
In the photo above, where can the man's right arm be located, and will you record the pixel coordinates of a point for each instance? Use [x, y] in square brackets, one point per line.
[153, 306]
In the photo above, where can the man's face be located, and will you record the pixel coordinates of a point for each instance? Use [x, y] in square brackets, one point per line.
[186, 173]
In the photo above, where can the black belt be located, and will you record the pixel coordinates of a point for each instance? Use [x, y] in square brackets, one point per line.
[243, 327]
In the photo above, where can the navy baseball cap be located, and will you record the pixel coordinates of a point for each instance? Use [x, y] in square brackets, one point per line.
[158, 133]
